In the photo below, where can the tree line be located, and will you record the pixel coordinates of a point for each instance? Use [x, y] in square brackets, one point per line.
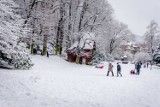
[59, 24]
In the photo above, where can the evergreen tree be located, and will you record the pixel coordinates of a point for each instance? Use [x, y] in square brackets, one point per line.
[12, 49]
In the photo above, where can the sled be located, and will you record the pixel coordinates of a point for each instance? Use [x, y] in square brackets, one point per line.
[132, 72]
[101, 66]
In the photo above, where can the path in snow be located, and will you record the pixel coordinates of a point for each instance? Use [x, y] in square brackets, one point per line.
[54, 82]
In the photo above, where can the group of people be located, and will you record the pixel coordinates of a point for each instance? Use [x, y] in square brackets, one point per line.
[135, 71]
[146, 65]
[110, 69]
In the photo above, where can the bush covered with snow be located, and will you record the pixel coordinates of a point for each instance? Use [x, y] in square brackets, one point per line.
[99, 57]
[156, 55]
[15, 59]
[21, 61]
[142, 56]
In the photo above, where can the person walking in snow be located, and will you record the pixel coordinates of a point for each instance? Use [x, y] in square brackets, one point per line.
[110, 69]
[47, 54]
[138, 68]
[135, 70]
[118, 70]
[147, 64]
[151, 66]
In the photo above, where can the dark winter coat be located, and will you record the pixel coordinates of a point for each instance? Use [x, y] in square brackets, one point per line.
[47, 54]
[118, 68]
[138, 66]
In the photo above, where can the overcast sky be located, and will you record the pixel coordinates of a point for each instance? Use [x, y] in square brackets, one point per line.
[137, 14]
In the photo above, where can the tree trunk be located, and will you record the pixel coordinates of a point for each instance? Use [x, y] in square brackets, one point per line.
[32, 47]
[84, 8]
[60, 32]
[33, 3]
[44, 45]
[69, 26]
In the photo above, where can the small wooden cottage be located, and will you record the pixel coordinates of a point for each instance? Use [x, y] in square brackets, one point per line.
[83, 49]
[71, 52]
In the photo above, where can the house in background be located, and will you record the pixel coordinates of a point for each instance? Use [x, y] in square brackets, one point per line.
[126, 46]
[135, 49]
[130, 47]
[82, 49]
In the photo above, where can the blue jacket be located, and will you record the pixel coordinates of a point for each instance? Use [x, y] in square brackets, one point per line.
[118, 68]
[138, 66]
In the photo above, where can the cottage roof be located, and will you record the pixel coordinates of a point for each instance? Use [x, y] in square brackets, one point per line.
[135, 46]
[127, 43]
[73, 46]
[125, 56]
[86, 42]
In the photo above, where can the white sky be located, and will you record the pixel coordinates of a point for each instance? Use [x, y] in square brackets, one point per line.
[137, 14]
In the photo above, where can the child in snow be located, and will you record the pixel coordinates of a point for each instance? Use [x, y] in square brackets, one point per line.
[151, 66]
[147, 64]
[135, 70]
[110, 69]
[118, 70]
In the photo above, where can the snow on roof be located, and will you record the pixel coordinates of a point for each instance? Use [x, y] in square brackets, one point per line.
[74, 45]
[39, 0]
[86, 42]
[128, 43]
[135, 46]
[89, 45]
[125, 56]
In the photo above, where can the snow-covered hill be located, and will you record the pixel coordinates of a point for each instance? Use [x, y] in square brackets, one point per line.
[53, 82]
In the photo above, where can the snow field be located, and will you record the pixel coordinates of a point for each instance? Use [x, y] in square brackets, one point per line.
[53, 82]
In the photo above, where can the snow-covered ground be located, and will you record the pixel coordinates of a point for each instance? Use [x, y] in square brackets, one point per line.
[53, 82]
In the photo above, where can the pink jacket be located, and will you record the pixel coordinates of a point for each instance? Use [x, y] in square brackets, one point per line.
[110, 67]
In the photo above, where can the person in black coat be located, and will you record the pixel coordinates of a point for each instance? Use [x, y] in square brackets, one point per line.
[138, 68]
[34, 51]
[47, 54]
[118, 70]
